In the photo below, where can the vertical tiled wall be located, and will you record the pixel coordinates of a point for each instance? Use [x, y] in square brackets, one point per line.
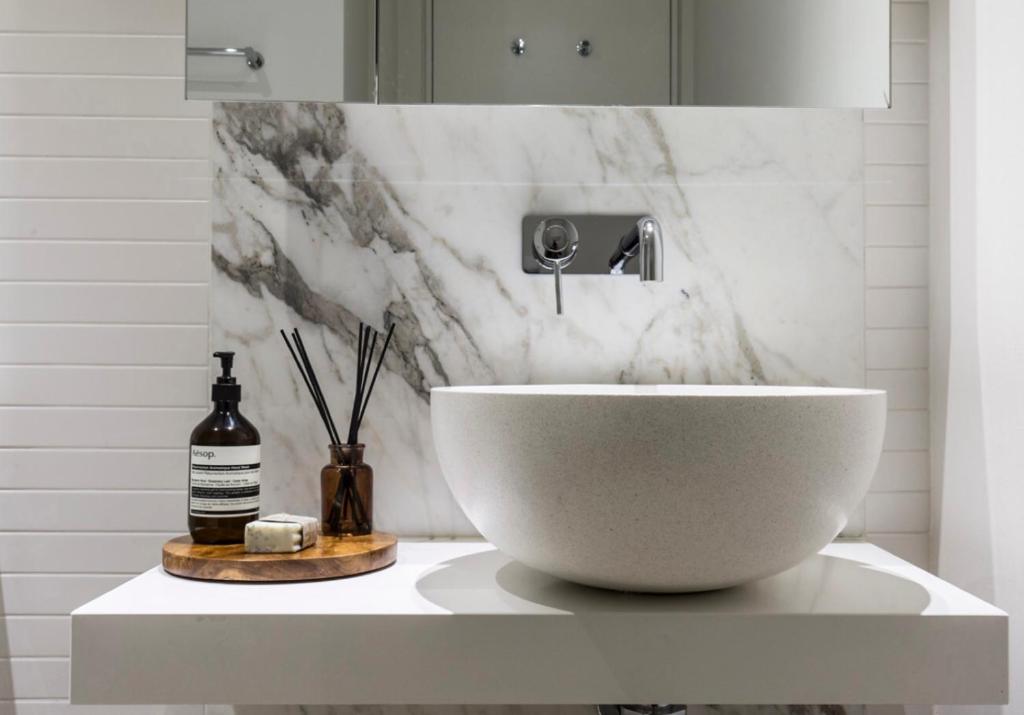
[896, 153]
[104, 266]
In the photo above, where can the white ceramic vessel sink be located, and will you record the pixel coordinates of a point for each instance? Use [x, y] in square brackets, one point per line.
[658, 488]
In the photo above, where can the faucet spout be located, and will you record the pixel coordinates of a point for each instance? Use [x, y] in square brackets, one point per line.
[644, 241]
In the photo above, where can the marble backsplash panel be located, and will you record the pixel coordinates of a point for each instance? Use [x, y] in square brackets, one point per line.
[325, 215]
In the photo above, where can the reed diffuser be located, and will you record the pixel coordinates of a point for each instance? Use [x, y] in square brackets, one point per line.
[346, 483]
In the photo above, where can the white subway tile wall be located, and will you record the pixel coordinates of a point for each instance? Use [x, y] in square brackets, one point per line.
[104, 265]
[896, 309]
[104, 273]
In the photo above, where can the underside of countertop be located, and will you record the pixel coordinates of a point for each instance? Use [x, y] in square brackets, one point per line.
[461, 623]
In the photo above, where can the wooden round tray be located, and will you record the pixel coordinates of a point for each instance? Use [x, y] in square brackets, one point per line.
[331, 557]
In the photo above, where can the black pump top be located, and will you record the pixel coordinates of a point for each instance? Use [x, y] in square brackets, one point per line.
[226, 389]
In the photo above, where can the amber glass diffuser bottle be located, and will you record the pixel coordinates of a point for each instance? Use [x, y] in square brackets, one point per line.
[346, 492]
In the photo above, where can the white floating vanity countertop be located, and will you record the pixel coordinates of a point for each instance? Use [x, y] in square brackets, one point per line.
[460, 623]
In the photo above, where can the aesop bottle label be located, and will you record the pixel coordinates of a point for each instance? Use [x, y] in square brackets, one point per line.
[224, 481]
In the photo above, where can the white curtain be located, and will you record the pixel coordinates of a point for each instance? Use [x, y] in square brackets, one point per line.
[979, 343]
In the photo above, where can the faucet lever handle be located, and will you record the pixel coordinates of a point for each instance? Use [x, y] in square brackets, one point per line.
[555, 243]
[558, 288]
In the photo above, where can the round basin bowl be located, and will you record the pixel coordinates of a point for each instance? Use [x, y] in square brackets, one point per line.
[658, 488]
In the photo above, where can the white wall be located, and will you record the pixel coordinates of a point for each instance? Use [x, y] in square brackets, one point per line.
[897, 237]
[981, 298]
[104, 265]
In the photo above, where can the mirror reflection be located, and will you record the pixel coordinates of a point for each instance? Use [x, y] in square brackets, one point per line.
[763, 53]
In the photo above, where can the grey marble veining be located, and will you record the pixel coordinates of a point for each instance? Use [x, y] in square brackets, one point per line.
[326, 215]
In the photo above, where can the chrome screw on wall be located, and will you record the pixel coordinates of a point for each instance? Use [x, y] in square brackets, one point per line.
[555, 243]
[584, 48]
[519, 47]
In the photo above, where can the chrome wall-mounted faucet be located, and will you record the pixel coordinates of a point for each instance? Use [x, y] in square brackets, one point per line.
[581, 245]
[646, 242]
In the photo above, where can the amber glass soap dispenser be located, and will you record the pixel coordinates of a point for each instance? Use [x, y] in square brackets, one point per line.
[224, 467]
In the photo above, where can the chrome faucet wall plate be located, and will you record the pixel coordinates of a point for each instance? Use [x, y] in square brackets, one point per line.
[599, 239]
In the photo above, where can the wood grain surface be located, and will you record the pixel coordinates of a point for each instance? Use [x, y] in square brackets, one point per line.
[331, 557]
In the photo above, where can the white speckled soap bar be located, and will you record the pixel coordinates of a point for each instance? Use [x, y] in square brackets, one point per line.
[281, 534]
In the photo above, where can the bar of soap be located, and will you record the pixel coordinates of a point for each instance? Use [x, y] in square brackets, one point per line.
[281, 534]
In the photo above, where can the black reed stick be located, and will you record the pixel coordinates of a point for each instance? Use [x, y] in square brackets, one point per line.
[380, 362]
[365, 378]
[367, 343]
[353, 435]
[320, 405]
[318, 392]
[366, 350]
[316, 384]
